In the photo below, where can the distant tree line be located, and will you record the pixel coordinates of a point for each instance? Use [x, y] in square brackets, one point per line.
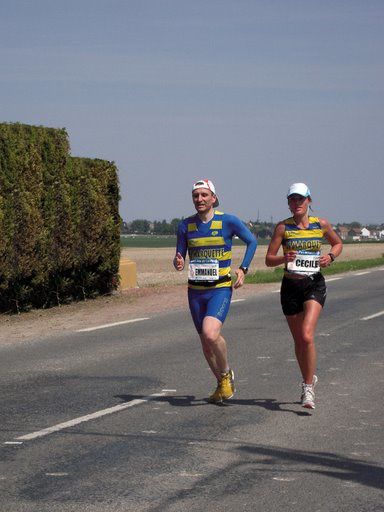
[259, 228]
[146, 227]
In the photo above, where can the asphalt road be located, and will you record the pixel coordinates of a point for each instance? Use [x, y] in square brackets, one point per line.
[156, 445]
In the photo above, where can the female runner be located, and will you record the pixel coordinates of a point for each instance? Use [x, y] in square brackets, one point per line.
[303, 289]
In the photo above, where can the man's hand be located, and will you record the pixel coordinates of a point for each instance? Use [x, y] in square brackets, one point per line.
[178, 262]
[240, 276]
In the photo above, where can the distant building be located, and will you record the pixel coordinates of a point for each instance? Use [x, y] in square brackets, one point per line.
[342, 231]
[355, 234]
[374, 234]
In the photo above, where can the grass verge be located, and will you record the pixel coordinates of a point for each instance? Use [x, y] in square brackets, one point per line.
[275, 275]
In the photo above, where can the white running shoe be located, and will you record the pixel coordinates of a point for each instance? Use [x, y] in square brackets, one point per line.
[308, 394]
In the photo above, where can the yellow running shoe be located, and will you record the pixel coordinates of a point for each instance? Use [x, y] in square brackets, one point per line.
[225, 388]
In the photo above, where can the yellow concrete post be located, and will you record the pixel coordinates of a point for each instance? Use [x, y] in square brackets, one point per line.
[128, 274]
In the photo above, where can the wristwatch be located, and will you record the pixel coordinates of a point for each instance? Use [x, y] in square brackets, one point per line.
[332, 256]
[244, 269]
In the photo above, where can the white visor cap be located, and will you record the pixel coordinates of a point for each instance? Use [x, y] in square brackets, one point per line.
[208, 185]
[299, 188]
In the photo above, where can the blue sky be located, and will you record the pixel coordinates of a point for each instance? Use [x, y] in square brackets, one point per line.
[253, 94]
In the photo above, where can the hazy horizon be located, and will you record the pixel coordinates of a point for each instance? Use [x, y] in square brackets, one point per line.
[261, 221]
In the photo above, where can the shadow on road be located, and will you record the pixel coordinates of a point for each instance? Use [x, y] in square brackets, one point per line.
[325, 463]
[257, 463]
[270, 404]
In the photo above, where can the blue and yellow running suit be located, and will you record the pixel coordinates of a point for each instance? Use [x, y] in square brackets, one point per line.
[212, 241]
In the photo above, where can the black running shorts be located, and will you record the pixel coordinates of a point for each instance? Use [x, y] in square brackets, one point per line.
[294, 292]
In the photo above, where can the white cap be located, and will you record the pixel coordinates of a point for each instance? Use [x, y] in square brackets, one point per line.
[299, 188]
[208, 185]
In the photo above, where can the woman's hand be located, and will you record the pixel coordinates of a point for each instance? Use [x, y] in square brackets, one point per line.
[289, 256]
[325, 260]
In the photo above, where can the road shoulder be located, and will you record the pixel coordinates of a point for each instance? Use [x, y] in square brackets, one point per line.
[121, 306]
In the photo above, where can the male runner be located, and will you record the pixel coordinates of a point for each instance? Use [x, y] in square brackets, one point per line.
[207, 236]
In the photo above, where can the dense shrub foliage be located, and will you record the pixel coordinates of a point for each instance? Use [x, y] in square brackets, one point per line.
[59, 220]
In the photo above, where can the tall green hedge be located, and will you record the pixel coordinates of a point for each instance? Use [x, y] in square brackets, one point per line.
[59, 220]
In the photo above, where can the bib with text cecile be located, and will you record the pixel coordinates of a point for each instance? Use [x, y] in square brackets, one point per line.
[305, 262]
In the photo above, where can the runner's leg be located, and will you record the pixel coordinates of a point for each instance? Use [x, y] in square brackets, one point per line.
[302, 326]
[214, 346]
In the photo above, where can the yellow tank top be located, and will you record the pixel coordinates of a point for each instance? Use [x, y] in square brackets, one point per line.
[306, 242]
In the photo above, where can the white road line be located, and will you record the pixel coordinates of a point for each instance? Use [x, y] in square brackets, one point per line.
[237, 300]
[87, 417]
[362, 273]
[372, 316]
[105, 326]
[333, 279]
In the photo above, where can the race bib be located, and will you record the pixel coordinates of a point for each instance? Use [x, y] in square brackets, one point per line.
[203, 270]
[305, 262]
